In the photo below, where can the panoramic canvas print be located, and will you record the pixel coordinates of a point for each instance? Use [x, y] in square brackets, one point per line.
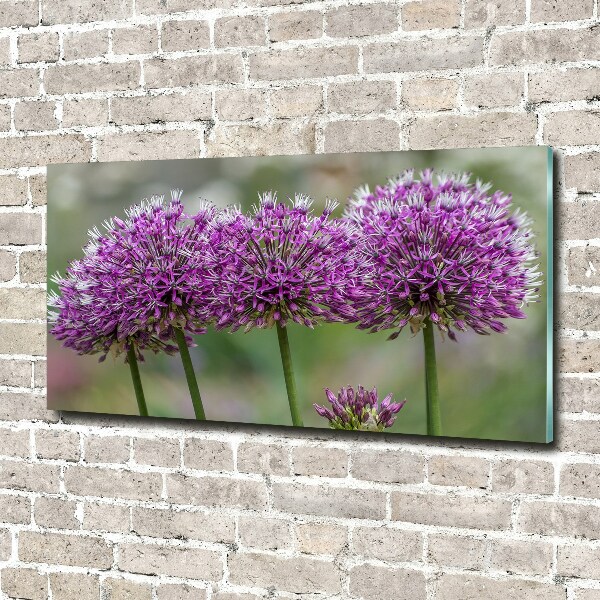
[391, 292]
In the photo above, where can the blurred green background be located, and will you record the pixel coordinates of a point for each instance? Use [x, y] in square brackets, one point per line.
[491, 387]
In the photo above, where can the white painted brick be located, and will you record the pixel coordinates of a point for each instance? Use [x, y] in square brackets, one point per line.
[191, 106]
[385, 543]
[24, 13]
[78, 78]
[240, 31]
[24, 583]
[370, 135]
[524, 557]
[301, 575]
[490, 129]
[457, 551]
[543, 46]
[159, 452]
[85, 44]
[422, 55]
[299, 25]
[33, 267]
[209, 527]
[14, 190]
[29, 476]
[282, 137]
[523, 476]
[381, 583]
[430, 14]
[329, 501]
[564, 85]
[84, 11]
[106, 449]
[8, 265]
[191, 563]
[578, 395]
[106, 517]
[573, 128]
[181, 591]
[578, 560]
[17, 83]
[117, 589]
[301, 63]
[108, 483]
[459, 471]
[41, 150]
[296, 101]
[22, 303]
[14, 407]
[498, 90]
[361, 97]
[57, 513]
[359, 21]
[391, 466]
[15, 509]
[37, 189]
[149, 145]
[581, 480]
[74, 586]
[85, 112]
[185, 35]
[68, 550]
[14, 442]
[264, 534]
[487, 13]
[430, 94]
[549, 10]
[38, 47]
[241, 105]
[159, 7]
[475, 587]
[141, 39]
[321, 538]
[193, 70]
[263, 458]
[554, 518]
[217, 491]
[451, 511]
[321, 462]
[35, 116]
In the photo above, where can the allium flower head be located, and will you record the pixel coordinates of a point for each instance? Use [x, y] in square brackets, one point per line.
[444, 250]
[138, 280]
[284, 262]
[359, 410]
[405, 185]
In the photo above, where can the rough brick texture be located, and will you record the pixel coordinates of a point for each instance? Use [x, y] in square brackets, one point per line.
[92, 507]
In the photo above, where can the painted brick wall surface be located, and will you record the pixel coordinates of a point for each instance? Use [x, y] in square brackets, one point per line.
[116, 508]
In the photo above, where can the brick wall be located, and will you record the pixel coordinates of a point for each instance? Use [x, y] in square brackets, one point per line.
[116, 508]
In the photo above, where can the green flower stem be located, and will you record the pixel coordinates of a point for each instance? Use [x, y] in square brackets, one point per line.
[190, 375]
[434, 418]
[137, 382]
[288, 373]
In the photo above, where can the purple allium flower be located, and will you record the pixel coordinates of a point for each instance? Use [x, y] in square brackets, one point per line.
[137, 281]
[283, 262]
[359, 410]
[446, 251]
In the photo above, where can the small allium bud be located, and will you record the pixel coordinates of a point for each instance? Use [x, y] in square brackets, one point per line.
[359, 410]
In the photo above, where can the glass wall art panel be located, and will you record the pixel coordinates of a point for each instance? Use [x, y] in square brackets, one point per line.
[392, 292]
